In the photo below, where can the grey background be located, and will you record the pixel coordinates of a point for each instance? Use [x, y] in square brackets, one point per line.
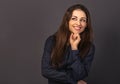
[25, 25]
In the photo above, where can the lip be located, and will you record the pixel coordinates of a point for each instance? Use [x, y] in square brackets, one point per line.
[77, 28]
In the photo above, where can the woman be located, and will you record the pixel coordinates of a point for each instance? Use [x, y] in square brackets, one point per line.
[68, 53]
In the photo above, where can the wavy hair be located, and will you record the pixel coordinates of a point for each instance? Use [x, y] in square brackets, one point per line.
[63, 34]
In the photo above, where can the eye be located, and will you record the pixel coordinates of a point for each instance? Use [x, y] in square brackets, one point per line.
[73, 18]
[83, 20]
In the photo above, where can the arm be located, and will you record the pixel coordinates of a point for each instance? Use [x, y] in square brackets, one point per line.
[80, 68]
[47, 70]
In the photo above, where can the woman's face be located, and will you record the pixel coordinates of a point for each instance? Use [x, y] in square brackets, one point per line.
[78, 21]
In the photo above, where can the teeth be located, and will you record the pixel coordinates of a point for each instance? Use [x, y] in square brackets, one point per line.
[77, 27]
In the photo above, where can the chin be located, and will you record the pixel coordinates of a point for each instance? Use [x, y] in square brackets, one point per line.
[76, 32]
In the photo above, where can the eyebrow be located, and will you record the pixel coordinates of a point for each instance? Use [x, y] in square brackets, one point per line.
[81, 17]
[74, 16]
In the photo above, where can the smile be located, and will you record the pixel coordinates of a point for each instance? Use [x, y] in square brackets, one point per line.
[77, 28]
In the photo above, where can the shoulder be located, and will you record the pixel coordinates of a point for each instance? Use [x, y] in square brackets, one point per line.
[50, 41]
[92, 48]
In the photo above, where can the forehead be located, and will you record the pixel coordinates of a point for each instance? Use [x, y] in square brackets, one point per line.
[78, 13]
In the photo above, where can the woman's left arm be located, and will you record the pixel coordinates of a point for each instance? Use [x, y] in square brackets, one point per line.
[80, 68]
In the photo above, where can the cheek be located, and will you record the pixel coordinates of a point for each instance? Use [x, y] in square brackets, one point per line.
[85, 25]
[70, 27]
[70, 24]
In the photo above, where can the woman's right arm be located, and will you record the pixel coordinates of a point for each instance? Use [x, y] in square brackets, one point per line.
[47, 70]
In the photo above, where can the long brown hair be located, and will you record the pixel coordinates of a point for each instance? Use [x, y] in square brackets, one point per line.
[63, 34]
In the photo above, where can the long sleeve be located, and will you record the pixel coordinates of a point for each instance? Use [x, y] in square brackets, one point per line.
[80, 68]
[48, 71]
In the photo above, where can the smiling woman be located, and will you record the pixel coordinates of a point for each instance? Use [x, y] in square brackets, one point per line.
[77, 22]
[68, 54]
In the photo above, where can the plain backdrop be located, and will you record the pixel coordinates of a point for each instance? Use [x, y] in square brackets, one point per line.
[26, 24]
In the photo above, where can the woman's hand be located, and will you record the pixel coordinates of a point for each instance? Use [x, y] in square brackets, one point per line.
[74, 40]
[81, 82]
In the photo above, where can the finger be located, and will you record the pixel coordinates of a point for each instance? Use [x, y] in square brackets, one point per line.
[74, 36]
[83, 82]
[77, 37]
[71, 35]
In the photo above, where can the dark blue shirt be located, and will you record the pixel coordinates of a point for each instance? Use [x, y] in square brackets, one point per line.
[72, 69]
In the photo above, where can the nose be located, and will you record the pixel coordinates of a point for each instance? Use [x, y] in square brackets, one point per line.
[78, 22]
